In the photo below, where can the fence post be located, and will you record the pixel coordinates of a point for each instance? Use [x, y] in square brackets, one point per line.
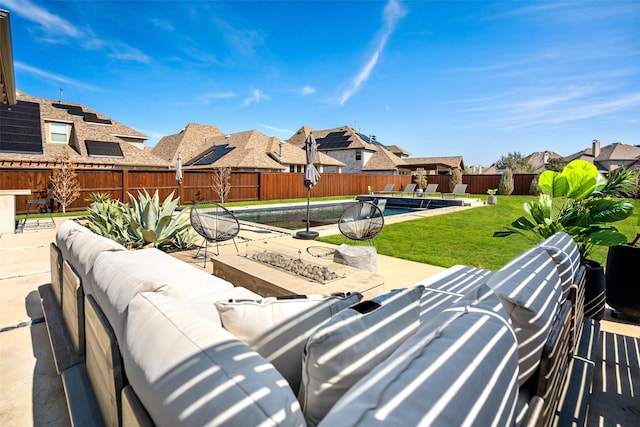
[125, 185]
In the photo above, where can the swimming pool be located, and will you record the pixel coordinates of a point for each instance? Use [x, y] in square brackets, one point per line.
[295, 217]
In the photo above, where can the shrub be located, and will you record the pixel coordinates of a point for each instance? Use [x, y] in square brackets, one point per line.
[505, 187]
[534, 188]
[456, 178]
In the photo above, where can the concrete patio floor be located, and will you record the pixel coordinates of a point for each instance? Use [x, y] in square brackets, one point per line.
[31, 392]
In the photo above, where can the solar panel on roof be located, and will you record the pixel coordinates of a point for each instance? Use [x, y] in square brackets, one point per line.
[212, 156]
[103, 149]
[20, 130]
[368, 139]
[76, 110]
[333, 140]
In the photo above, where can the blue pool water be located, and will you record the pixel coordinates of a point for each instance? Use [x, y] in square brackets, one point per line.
[295, 217]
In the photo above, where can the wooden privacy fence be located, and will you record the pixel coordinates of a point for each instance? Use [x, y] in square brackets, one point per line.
[245, 186]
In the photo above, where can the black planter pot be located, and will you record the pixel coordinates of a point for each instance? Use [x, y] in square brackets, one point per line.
[594, 290]
[623, 279]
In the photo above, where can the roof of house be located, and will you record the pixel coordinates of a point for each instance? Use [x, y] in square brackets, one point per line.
[398, 150]
[539, 159]
[189, 142]
[341, 138]
[94, 141]
[617, 151]
[253, 150]
[447, 162]
[383, 159]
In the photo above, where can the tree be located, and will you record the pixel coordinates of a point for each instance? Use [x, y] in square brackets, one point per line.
[421, 178]
[516, 162]
[505, 187]
[222, 182]
[66, 187]
[556, 164]
[456, 178]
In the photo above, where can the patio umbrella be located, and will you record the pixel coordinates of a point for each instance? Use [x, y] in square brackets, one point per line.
[179, 172]
[311, 177]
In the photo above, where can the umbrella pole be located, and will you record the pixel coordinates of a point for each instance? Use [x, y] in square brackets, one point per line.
[307, 235]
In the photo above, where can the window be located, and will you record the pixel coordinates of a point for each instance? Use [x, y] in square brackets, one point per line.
[58, 133]
[292, 168]
[358, 154]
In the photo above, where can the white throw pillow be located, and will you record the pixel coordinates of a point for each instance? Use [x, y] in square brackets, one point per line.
[352, 344]
[278, 328]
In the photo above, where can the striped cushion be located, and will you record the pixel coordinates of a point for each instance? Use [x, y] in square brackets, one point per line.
[459, 369]
[350, 345]
[279, 328]
[444, 289]
[564, 252]
[529, 288]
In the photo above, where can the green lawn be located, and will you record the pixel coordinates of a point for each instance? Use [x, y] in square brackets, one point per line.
[466, 237]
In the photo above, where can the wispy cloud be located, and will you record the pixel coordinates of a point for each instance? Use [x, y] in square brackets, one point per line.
[58, 30]
[52, 24]
[393, 12]
[53, 77]
[307, 90]
[282, 131]
[255, 97]
[207, 98]
[162, 24]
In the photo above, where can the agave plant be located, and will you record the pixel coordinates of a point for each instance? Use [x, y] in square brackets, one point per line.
[107, 219]
[154, 224]
[578, 201]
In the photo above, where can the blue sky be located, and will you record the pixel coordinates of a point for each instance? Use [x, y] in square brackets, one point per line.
[477, 79]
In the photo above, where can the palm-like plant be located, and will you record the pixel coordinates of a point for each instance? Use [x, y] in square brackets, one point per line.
[580, 202]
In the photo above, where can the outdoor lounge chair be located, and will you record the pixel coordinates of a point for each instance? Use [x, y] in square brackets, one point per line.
[361, 221]
[431, 189]
[460, 190]
[214, 223]
[409, 189]
[44, 201]
[387, 189]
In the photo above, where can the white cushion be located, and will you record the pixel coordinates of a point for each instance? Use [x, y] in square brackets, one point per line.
[204, 304]
[278, 328]
[187, 371]
[459, 369]
[529, 288]
[352, 344]
[64, 235]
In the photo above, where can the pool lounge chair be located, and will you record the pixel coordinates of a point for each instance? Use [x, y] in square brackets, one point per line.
[460, 190]
[409, 189]
[387, 189]
[431, 189]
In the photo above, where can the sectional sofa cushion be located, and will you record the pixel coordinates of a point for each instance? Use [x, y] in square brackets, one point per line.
[187, 371]
[119, 276]
[278, 328]
[352, 344]
[204, 304]
[564, 252]
[458, 369]
[529, 288]
[65, 233]
[444, 289]
[85, 249]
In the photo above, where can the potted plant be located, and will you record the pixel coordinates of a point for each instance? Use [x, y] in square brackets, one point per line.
[421, 181]
[492, 197]
[580, 202]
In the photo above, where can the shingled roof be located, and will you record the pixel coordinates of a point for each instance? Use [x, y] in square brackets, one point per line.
[112, 143]
[448, 162]
[251, 150]
[189, 142]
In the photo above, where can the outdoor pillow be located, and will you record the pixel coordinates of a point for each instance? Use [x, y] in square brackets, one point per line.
[529, 289]
[458, 369]
[65, 233]
[564, 252]
[187, 371]
[278, 328]
[352, 344]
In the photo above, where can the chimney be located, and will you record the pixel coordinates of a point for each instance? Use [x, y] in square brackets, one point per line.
[596, 148]
[545, 158]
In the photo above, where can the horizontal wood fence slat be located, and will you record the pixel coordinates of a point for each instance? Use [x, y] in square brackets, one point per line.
[245, 186]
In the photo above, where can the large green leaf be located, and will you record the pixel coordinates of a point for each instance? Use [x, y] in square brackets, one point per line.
[553, 183]
[581, 178]
[607, 210]
[607, 238]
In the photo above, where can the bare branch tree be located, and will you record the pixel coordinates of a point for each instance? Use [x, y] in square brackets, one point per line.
[222, 182]
[66, 187]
